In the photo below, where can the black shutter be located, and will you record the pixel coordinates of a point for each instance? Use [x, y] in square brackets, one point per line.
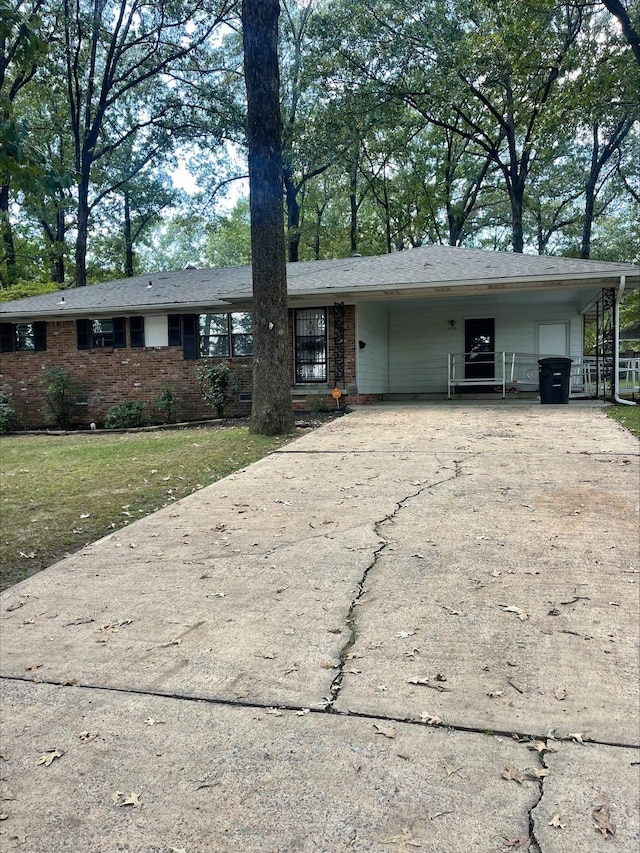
[40, 336]
[83, 328]
[190, 336]
[6, 337]
[136, 331]
[175, 330]
[119, 333]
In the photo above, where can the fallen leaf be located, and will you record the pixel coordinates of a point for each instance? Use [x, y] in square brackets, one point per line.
[387, 731]
[512, 774]
[402, 635]
[424, 682]
[87, 737]
[85, 515]
[511, 608]
[151, 722]
[430, 719]
[275, 712]
[6, 793]
[535, 775]
[354, 655]
[578, 737]
[555, 821]
[115, 797]
[81, 620]
[494, 694]
[303, 712]
[17, 604]
[451, 769]
[452, 611]
[515, 843]
[48, 757]
[329, 664]
[560, 693]
[602, 821]
[405, 838]
[540, 746]
[132, 800]
[3, 816]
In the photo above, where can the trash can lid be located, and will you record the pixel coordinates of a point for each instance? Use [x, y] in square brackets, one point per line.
[556, 359]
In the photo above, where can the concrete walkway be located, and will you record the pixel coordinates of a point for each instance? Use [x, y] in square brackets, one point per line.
[415, 628]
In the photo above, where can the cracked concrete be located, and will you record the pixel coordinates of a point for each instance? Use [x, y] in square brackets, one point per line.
[331, 650]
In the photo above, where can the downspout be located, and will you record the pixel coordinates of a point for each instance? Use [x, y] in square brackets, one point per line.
[616, 345]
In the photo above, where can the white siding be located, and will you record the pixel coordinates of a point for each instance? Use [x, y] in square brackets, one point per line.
[373, 361]
[421, 335]
[156, 332]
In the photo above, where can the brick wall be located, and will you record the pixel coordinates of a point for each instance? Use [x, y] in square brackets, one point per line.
[111, 376]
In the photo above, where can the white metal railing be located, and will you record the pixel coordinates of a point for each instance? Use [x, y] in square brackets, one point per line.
[518, 371]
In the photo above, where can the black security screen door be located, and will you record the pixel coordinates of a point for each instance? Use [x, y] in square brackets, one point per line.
[479, 348]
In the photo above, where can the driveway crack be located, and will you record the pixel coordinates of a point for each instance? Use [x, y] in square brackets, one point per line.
[351, 620]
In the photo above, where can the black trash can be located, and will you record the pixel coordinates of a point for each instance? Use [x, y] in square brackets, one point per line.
[555, 378]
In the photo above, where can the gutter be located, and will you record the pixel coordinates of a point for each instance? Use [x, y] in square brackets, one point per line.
[616, 345]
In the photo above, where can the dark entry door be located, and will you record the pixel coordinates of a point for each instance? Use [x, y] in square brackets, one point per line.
[479, 348]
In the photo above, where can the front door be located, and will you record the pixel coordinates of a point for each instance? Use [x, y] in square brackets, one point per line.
[479, 348]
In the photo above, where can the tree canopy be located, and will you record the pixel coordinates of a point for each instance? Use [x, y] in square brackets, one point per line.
[468, 122]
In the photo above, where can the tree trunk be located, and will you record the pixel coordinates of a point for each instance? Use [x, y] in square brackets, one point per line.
[271, 412]
[516, 197]
[353, 204]
[82, 230]
[128, 239]
[293, 218]
[8, 262]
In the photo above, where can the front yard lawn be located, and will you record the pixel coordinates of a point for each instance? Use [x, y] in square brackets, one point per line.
[61, 492]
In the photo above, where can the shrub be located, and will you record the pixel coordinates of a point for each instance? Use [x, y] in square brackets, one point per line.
[167, 404]
[215, 384]
[8, 419]
[61, 395]
[125, 416]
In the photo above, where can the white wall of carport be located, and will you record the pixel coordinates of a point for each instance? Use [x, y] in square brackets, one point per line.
[372, 362]
[420, 336]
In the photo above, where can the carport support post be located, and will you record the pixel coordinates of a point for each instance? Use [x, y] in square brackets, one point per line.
[616, 345]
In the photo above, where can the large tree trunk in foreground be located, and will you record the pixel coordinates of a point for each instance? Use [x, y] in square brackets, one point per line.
[271, 412]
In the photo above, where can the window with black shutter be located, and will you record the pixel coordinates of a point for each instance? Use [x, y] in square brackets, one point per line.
[190, 324]
[6, 337]
[102, 334]
[175, 330]
[23, 337]
[136, 331]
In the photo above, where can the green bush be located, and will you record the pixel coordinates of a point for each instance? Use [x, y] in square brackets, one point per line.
[8, 419]
[61, 395]
[215, 384]
[125, 416]
[167, 404]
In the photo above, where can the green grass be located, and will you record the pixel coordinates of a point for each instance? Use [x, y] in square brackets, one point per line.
[628, 416]
[61, 492]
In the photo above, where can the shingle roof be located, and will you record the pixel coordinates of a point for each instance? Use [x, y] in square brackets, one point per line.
[429, 270]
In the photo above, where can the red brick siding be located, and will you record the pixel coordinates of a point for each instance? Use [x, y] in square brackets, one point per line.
[111, 376]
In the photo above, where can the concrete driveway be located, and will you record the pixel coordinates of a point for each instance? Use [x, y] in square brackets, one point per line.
[415, 628]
